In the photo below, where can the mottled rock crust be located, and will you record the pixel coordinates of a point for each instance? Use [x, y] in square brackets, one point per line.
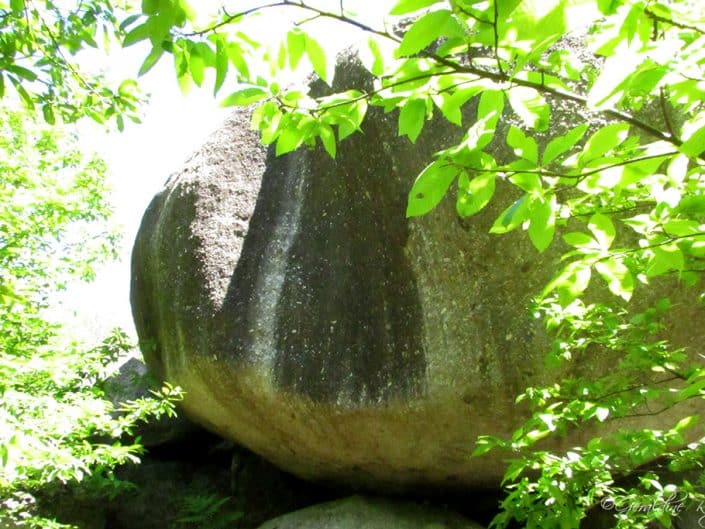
[308, 319]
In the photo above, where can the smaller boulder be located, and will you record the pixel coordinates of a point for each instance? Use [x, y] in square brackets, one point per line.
[133, 381]
[371, 513]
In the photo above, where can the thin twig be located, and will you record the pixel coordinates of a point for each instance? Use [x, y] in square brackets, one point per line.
[664, 111]
[229, 19]
[495, 30]
[649, 13]
[472, 15]
[578, 176]
[634, 387]
[307, 20]
[368, 95]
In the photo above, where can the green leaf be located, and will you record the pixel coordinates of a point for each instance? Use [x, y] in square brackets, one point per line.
[129, 21]
[694, 146]
[281, 57]
[475, 194]
[692, 205]
[562, 144]
[617, 276]
[483, 444]
[221, 65]
[181, 64]
[677, 169]
[681, 227]
[24, 95]
[491, 104]
[289, 140]
[8, 295]
[411, 118]
[137, 34]
[608, 7]
[579, 239]
[347, 110]
[609, 86]
[245, 96]
[237, 58]
[603, 230]
[185, 12]
[17, 6]
[154, 55]
[48, 112]
[428, 29]
[318, 59]
[603, 141]
[512, 217]
[451, 103]
[22, 72]
[296, 46]
[160, 26]
[524, 146]
[531, 27]
[666, 258]
[646, 80]
[570, 282]
[529, 182]
[404, 7]
[489, 110]
[429, 188]
[692, 389]
[377, 66]
[327, 136]
[686, 422]
[638, 171]
[197, 69]
[530, 106]
[150, 7]
[542, 222]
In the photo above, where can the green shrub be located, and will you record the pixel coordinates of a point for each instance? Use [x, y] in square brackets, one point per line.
[56, 424]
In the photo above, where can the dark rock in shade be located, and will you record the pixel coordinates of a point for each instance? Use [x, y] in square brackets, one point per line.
[308, 319]
[262, 491]
[370, 513]
[133, 381]
[205, 484]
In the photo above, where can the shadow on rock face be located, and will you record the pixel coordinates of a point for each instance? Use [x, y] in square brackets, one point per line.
[323, 287]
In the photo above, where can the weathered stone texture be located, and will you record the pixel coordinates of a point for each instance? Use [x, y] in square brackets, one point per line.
[308, 319]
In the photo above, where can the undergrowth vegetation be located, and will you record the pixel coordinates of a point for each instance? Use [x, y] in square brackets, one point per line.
[57, 423]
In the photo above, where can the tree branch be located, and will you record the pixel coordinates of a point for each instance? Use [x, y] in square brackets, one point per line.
[499, 76]
[649, 13]
[229, 19]
[578, 176]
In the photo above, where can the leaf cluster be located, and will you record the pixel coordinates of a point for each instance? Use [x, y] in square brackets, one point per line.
[39, 60]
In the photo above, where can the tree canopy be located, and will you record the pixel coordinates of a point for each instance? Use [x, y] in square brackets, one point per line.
[38, 59]
[623, 191]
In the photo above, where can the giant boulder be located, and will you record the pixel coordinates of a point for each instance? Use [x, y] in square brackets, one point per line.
[308, 319]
